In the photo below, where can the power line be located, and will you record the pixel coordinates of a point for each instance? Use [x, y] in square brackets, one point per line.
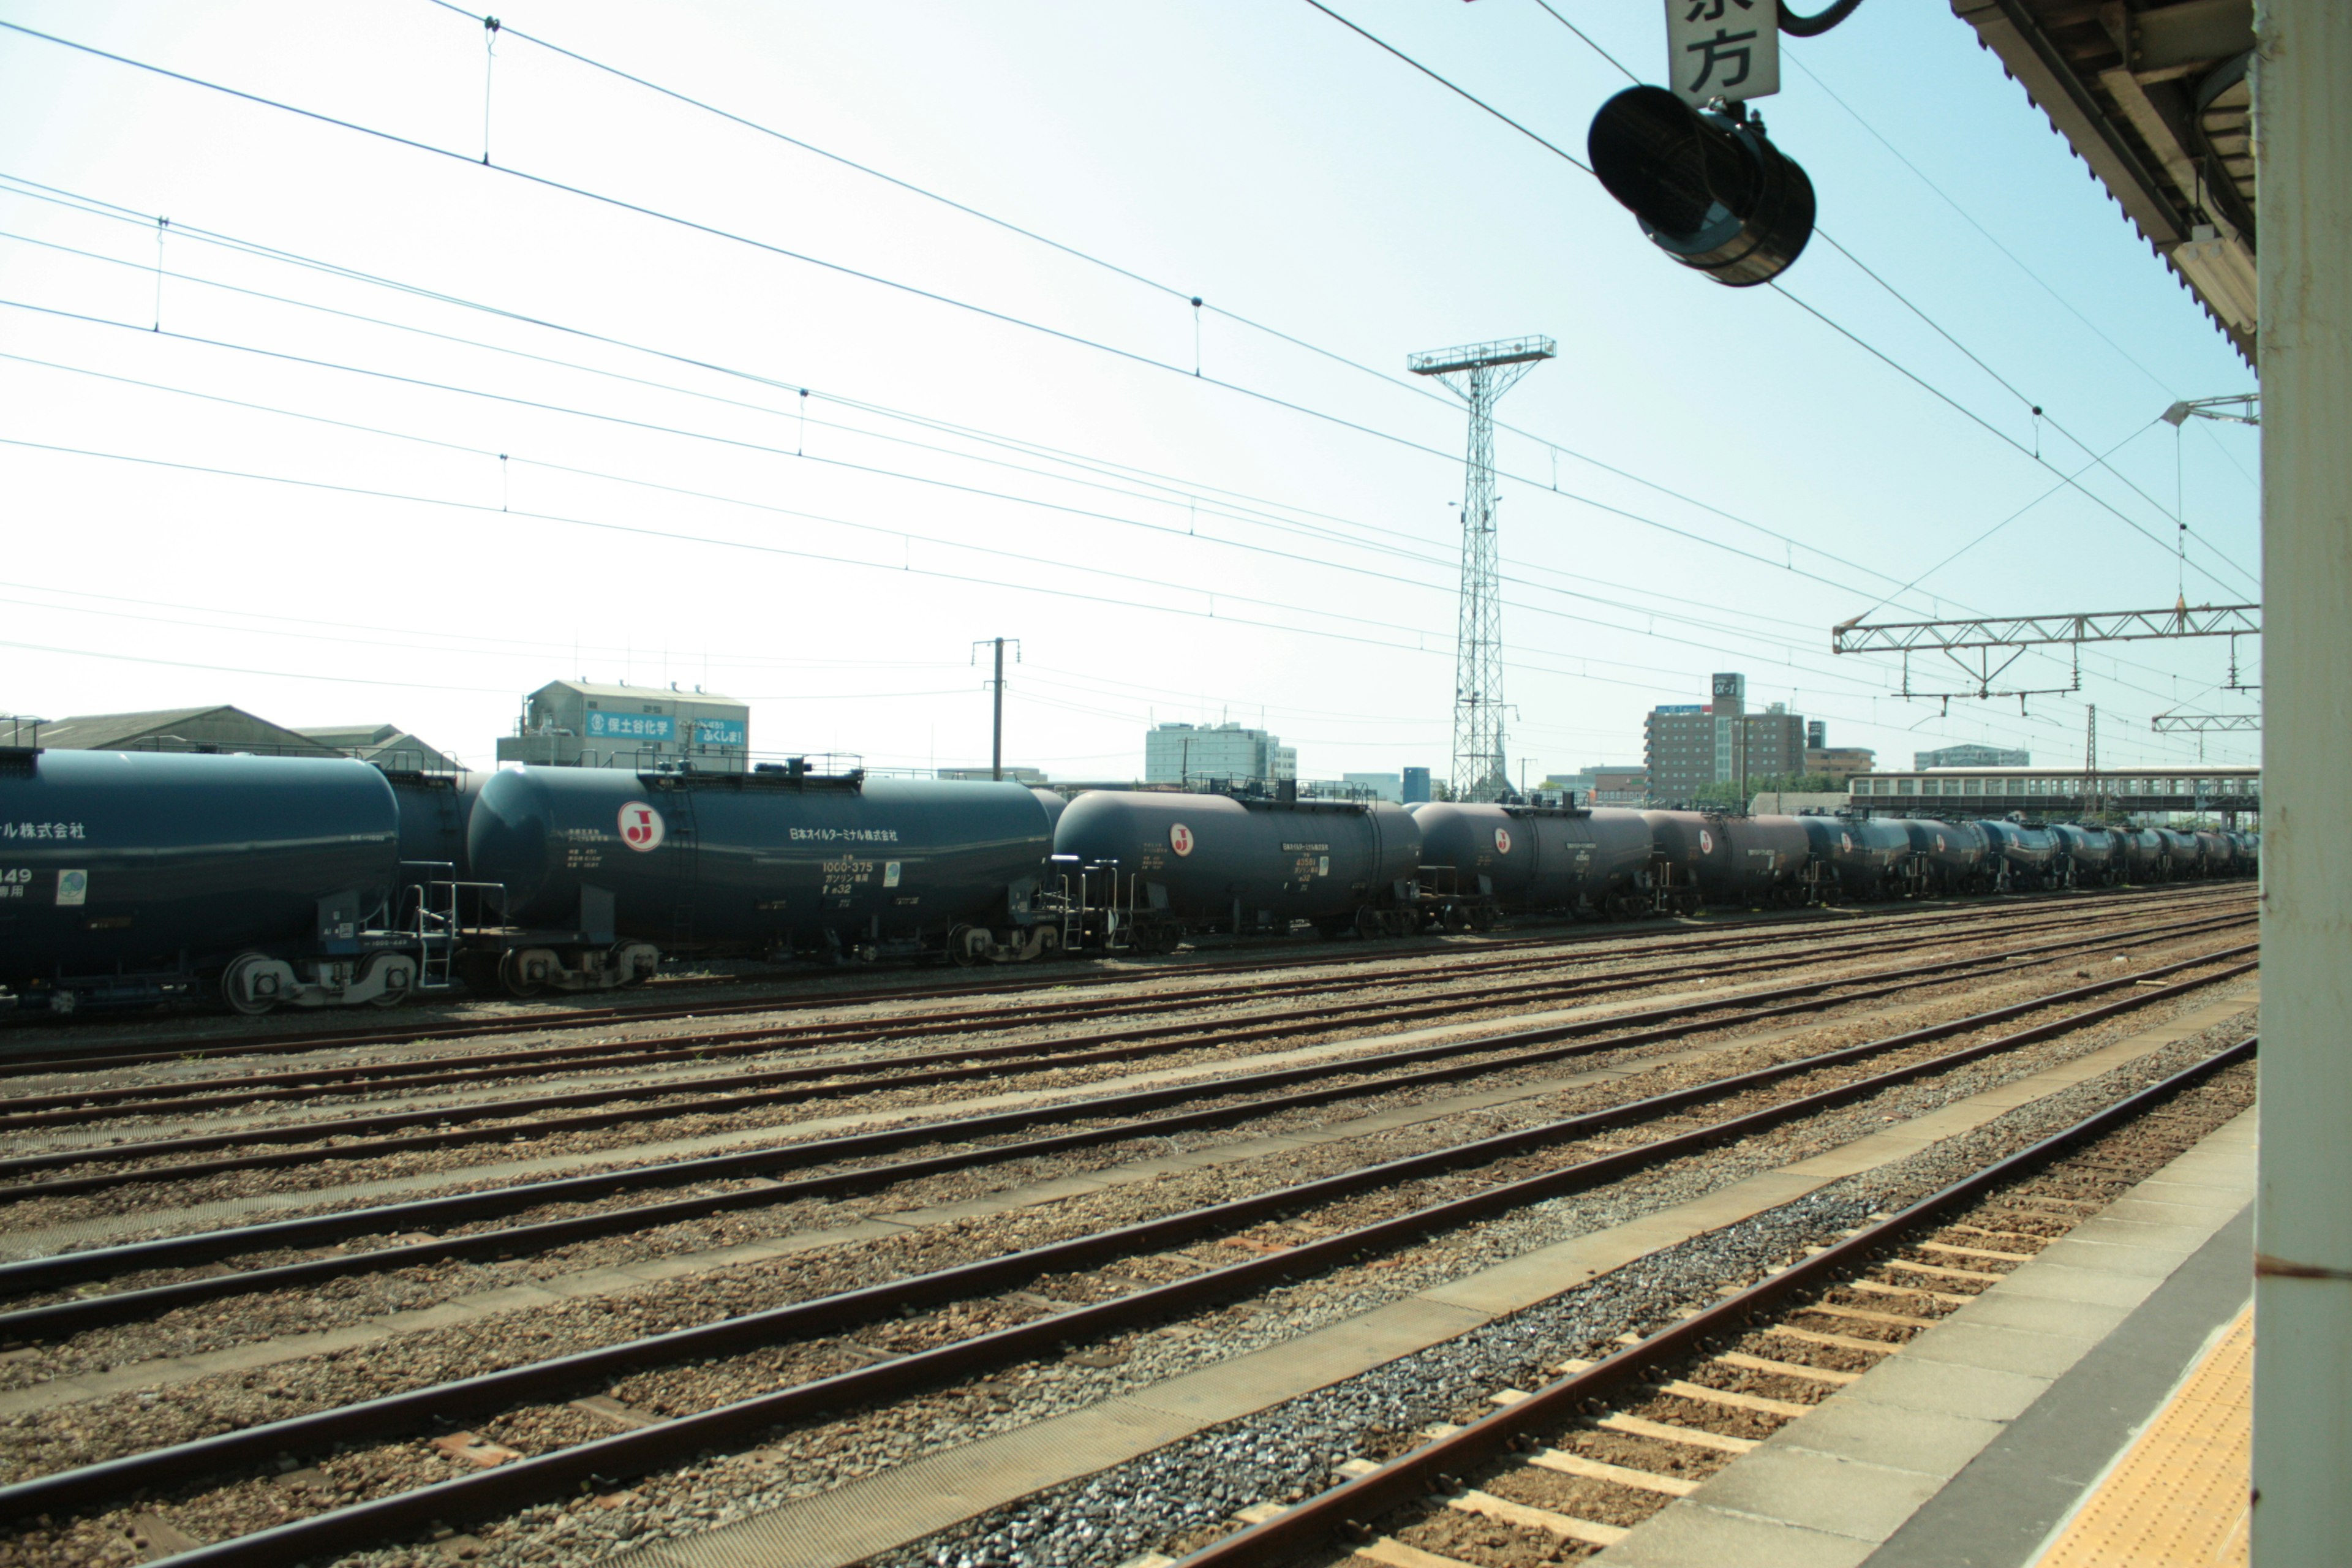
[1825, 319]
[1714, 626]
[724, 234]
[1307, 411]
[528, 515]
[753, 445]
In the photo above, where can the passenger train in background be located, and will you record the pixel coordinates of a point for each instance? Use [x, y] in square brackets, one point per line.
[132, 876]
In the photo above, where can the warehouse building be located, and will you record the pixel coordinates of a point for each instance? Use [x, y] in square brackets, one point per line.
[228, 729]
[649, 729]
[385, 745]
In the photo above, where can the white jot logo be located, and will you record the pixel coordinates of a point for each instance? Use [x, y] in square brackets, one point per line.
[1180, 839]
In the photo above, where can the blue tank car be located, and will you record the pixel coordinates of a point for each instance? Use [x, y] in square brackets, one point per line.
[2026, 859]
[605, 870]
[1859, 857]
[1223, 862]
[1524, 858]
[1951, 856]
[143, 875]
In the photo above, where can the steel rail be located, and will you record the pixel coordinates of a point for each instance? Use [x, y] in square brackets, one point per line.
[142, 1053]
[74, 1315]
[1350, 1507]
[508, 1487]
[821, 1081]
[70, 1106]
[646, 1094]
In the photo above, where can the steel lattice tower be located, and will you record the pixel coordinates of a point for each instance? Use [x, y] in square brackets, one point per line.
[1479, 373]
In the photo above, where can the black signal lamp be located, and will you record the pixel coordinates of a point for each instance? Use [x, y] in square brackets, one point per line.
[1709, 190]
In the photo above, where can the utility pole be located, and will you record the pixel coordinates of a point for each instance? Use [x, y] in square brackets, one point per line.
[996, 730]
[2090, 761]
[1479, 373]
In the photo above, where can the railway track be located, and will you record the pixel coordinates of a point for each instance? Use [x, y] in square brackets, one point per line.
[1625, 1436]
[498, 1122]
[75, 1106]
[1255, 1095]
[965, 1319]
[82, 1057]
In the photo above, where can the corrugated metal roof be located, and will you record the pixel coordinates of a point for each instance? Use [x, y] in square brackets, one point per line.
[638, 694]
[2154, 95]
[222, 725]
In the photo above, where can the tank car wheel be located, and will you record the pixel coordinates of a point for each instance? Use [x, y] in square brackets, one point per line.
[960, 948]
[232, 985]
[1371, 922]
[512, 975]
[1482, 918]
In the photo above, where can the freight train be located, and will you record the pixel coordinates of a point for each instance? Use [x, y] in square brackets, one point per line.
[263, 882]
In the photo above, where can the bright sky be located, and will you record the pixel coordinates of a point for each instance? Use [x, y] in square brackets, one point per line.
[417, 434]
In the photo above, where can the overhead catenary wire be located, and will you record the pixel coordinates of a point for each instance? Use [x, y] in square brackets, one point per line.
[1184, 487]
[1843, 331]
[874, 278]
[690, 224]
[1714, 626]
[1548, 589]
[1415, 385]
[765, 548]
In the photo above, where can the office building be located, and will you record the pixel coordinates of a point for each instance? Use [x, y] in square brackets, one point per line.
[1690, 747]
[1417, 785]
[1379, 786]
[1221, 753]
[1839, 762]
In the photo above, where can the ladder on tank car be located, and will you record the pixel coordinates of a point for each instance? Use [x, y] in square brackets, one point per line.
[434, 916]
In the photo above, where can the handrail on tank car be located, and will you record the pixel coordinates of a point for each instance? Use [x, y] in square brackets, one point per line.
[439, 924]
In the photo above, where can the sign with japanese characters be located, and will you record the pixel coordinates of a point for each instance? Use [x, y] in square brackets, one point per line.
[633, 726]
[1723, 49]
[722, 733]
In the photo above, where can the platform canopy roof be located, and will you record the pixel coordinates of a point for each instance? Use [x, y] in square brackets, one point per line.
[2156, 97]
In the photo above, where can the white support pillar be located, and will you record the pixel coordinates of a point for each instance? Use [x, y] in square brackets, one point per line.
[2303, 1222]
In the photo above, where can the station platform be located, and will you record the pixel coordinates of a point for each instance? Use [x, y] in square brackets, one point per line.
[2093, 1410]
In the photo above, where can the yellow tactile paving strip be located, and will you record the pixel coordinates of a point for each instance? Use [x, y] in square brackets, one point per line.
[2178, 1497]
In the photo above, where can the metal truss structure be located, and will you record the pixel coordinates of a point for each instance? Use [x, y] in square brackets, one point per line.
[2202, 723]
[1479, 373]
[2027, 631]
[1971, 646]
[2247, 402]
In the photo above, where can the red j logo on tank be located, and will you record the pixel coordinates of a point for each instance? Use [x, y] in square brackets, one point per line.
[1502, 841]
[1180, 839]
[641, 826]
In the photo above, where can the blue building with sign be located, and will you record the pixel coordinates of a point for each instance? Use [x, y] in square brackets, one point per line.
[645, 729]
